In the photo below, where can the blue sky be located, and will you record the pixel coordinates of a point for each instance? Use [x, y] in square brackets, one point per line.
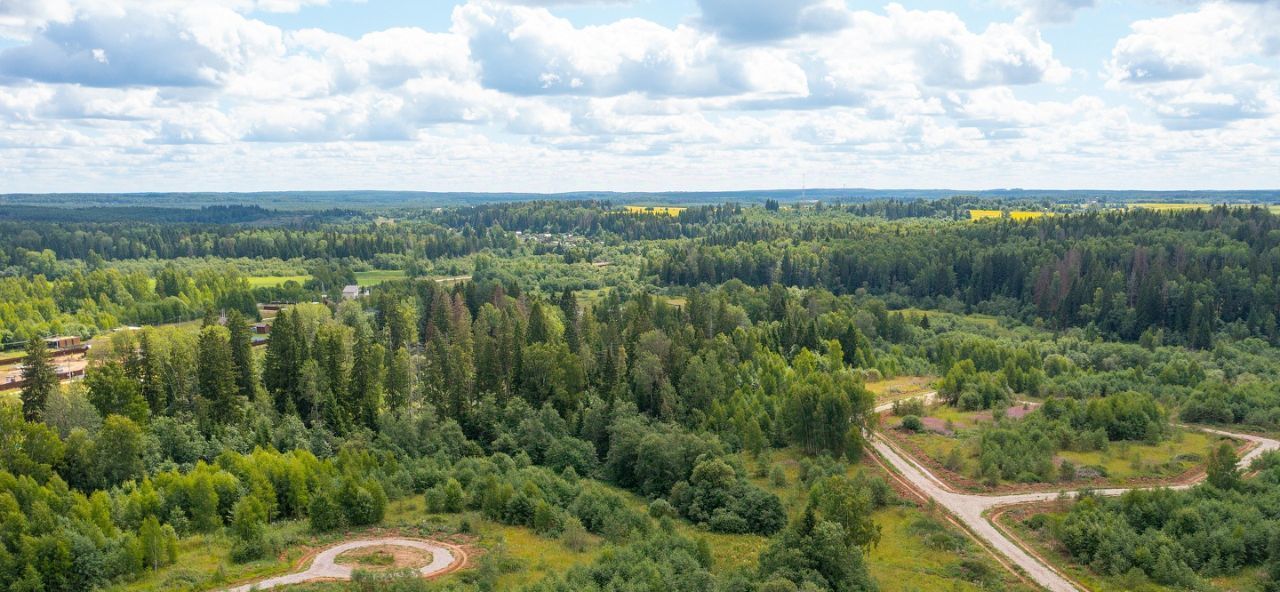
[562, 95]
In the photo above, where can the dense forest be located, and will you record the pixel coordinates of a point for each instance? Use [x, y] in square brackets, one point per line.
[651, 385]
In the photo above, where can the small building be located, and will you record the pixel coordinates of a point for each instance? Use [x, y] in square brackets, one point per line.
[261, 328]
[62, 342]
[351, 292]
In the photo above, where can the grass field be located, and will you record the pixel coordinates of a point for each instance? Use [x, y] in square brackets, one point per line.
[901, 387]
[1121, 462]
[918, 553]
[1171, 207]
[1138, 460]
[275, 280]
[377, 276]
[363, 278]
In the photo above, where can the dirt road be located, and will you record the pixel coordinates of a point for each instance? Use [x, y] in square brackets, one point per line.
[325, 566]
[971, 509]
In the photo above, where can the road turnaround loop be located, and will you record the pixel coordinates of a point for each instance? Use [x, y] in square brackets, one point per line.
[445, 558]
[972, 509]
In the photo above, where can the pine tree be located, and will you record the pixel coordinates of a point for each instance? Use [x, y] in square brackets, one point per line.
[217, 376]
[40, 379]
[402, 325]
[399, 380]
[282, 367]
[242, 353]
[537, 331]
[366, 379]
[151, 372]
[569, 306]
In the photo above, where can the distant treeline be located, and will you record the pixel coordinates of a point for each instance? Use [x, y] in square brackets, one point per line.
[1124, 274]
[137, 240]
[205, 215]
[311, 200]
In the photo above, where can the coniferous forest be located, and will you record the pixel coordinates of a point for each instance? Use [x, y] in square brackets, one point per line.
[584, 397]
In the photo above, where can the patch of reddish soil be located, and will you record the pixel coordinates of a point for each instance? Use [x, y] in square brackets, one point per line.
[935, 424]
[1015, 412]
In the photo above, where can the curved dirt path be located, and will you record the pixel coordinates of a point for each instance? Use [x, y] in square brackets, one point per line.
[444, 558]
[971, 509]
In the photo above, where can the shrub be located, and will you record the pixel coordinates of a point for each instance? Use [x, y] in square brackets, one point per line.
[573, 535]
[661, 508]
[547, 519]
[447, 497]
[248, 530]
[908, 407]
[912, 423]
[1067, 471]
[325, 513]
[778, 476]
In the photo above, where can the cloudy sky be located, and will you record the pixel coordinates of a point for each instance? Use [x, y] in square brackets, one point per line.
[561, 95]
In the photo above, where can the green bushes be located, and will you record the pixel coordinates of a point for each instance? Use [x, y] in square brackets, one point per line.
[446, 497]
[532, 496]
[249, 530]
[59, 540]
[817, 553]
[724, 501]
[661, 561]
[606, 513]
[1023, 450]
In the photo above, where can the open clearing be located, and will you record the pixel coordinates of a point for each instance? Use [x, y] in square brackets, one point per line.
[363, 278]
[900, 387]
[385, 557]
[1121, 464]
[443, 559]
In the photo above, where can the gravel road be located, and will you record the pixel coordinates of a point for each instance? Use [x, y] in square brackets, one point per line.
[325, 566]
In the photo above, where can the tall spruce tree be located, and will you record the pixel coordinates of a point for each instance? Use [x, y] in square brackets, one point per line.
[241, 353]
[217, 377]
[39, 380]
[282, 367]
[366, 379]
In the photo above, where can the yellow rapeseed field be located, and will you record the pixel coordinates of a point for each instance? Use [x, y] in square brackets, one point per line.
[655, 210]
